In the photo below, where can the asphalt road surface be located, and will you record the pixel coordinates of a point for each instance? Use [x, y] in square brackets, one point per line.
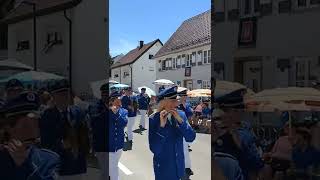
[136, 164]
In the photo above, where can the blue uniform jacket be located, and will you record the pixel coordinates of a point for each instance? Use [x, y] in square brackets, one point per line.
[117, 123]
[51, 131]
[98, 118]
[187, 110]
[70, 164]
[167, 146]
[40, 165]
[250, 159]
[126, 102]
[143, 102]
[229, 165]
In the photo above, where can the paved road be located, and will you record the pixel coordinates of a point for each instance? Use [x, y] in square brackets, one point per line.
[137, 163]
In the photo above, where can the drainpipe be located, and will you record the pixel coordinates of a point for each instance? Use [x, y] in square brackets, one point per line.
[70, 48]
[131, 74]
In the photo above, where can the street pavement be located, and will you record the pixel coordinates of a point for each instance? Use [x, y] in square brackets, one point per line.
[136, 164]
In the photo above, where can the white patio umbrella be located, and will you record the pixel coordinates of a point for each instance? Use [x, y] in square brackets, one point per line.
[113, 82]
[163, 82]
[120, 86]
[34, 76]
[284, 99]
[200, 93]
[226, 87]
[14, 64]
[149, 91]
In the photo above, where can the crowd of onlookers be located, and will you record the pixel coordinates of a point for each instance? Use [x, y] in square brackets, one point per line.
[239, 155]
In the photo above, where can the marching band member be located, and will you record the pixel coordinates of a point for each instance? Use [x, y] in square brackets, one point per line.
[117, 122]
[98, 122]
[128, 103]
[63, 129]
[20, 159]
[167, 128]
[13, 88]
[144, 101]
[186, 107]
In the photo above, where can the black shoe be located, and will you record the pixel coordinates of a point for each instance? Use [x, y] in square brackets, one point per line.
[190, 150]
[142, 128]
[189, 172]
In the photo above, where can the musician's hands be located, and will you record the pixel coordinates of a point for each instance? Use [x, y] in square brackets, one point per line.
[18, 151]
[176, 116]
[163, 118]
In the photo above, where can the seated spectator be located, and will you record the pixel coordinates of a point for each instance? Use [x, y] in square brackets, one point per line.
[198, 109]
[280, 156]
[304, 155]
[206, 110]
[226, 166]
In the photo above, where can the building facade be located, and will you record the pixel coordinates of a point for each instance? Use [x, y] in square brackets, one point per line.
[65, 33]
[185, 58]
[267, 44]
[138, 67]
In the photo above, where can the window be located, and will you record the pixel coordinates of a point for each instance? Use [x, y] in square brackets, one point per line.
[256, 5]
[247, 7]
[4, 37]
[23, 45]
[163, 65]
[193, 58]
[174, 63]
[183, 61]
[178, 61]
[150, 56]
[200, 57]
[284, 6]
[188, 61]
[116, 75]
[205, 57]
[206, 84]
[219, 5]
[302, 3]
[170, 63]
[209, 56]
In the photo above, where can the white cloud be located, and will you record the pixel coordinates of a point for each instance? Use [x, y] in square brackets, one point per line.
[122, 46]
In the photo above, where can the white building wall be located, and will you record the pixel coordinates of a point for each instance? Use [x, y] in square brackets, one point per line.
[54, 60]
[144, 69]
[89, 43]
[277, 37]
[198, 72]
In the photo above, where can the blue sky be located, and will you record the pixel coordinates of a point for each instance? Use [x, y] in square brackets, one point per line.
[147, 20]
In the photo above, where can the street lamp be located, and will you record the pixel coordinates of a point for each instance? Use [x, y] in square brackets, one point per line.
[34, 31]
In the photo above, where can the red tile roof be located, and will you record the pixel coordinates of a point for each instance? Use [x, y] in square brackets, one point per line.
[193, 32]
[134, 54]
[43, 7]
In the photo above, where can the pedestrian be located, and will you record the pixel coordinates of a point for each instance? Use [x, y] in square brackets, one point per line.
[97, 114]
[187, 109]
[129, 103]
[20, 158]
[144, 101]
[198, 109]
[13, 88]
[167, 128]
[64, 130]
[117, 122]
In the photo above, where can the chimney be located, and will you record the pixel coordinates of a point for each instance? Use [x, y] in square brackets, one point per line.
[141, 44]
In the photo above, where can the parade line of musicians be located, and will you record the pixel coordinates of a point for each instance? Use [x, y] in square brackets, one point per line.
[45, 136]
